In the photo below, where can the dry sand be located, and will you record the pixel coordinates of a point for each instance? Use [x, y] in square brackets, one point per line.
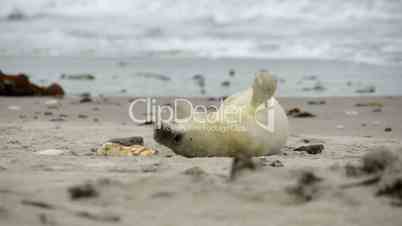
[166, 190]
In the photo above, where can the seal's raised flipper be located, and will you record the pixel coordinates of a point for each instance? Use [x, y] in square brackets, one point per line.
[264, 87]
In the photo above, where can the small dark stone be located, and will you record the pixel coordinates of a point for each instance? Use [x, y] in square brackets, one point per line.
[128, 141]
[388, 129]
[276, 163]
[162, 194]
[297, 113]
[147, 123]
[304, 115]
[83, 191]
[85, 98]
[311, 149]
[82, 116]
[194, 171]
[150, 168]
[48, 113]
[39, 204]
[293, 111]
[57, 120]
[96, 217]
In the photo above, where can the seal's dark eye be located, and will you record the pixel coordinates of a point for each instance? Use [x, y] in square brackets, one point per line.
[178, 138]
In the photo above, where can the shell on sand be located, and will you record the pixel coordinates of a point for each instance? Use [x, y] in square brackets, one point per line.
[112, 149]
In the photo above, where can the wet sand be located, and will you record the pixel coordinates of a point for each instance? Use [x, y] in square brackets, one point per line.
[166, 189]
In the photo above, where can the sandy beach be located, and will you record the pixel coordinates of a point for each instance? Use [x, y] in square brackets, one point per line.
[168, 189]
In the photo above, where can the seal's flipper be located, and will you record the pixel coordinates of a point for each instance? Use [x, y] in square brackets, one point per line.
[264, 87]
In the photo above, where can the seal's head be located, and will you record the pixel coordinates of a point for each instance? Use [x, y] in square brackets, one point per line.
[180, 141]
[168, 135]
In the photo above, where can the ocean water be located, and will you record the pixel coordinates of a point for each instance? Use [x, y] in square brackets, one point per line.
[137, 75]
[338, 41]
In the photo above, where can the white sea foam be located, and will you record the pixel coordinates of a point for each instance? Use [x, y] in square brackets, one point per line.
[361, 30]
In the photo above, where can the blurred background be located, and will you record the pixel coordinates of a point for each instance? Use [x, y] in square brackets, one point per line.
[341, 41]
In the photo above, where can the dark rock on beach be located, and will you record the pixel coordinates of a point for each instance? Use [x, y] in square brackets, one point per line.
[128, 141]
[276, 163]
[311, 149]
[297, 113]
[20, 85]
[86, 190]
[85, 98]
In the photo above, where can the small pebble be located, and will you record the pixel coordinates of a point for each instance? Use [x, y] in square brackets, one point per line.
[48, 113]
[128, 141]
[276, 163]
[194, 171]
[82, 116]
[82, 191]
[311, 149]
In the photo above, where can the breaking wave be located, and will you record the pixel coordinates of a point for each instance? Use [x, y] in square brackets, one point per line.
[360, 31]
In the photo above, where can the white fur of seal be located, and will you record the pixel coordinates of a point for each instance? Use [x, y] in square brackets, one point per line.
[223, 138]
